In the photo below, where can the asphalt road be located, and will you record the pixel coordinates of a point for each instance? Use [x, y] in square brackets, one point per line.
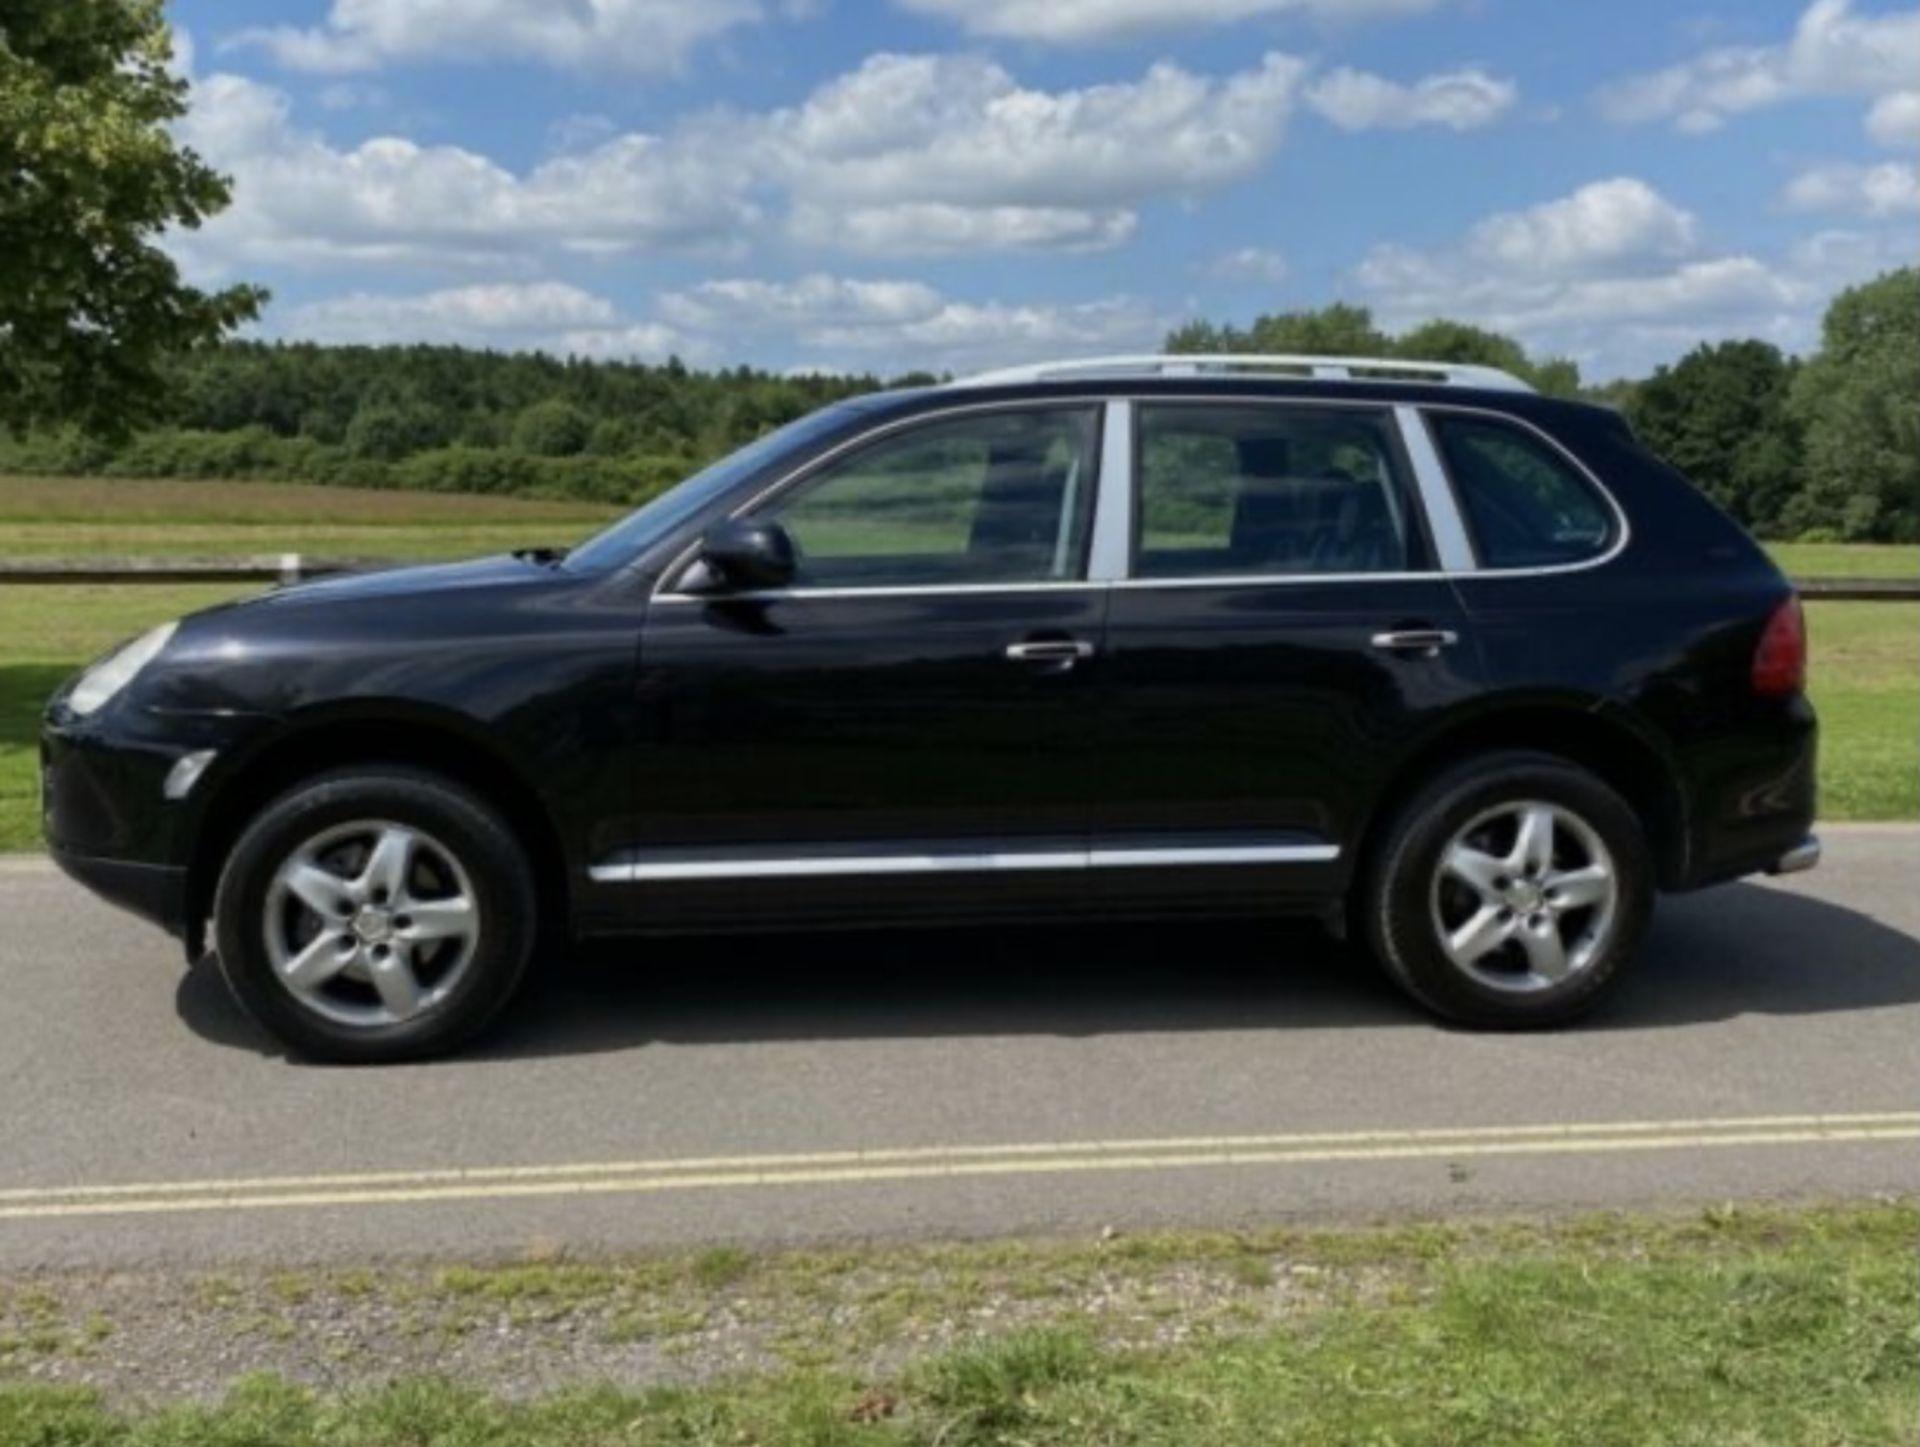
[1046, 1081]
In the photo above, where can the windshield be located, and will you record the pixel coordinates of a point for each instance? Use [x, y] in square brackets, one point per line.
[640, 529]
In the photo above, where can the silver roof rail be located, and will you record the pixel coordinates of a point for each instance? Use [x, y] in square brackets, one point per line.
[1213, 364]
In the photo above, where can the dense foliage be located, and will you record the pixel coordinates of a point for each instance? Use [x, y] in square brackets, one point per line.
[442, 419]
[1827, 448]
[90, 175]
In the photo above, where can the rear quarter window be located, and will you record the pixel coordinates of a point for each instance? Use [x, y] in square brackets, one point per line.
[1525, 503]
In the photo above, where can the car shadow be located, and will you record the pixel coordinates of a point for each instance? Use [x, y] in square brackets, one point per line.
[1742, 950]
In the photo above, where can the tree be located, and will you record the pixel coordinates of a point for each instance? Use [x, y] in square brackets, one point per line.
[1859, 403]
[1341, 330]
[1334, 331]
[553, 428]
[89, 176]
[1720, 415]
[1441, 340]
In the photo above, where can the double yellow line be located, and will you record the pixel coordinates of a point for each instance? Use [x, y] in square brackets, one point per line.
[867, 1167]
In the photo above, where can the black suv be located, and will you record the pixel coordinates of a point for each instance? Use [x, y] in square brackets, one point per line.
[1462, 666]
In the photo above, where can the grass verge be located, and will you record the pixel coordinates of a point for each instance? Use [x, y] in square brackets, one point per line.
[1752, 1326]
[1866, 684]
[76, 518]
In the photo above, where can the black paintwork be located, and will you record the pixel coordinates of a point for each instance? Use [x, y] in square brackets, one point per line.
[622, 728]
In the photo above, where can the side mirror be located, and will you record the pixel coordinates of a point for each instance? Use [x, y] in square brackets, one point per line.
[747, 554]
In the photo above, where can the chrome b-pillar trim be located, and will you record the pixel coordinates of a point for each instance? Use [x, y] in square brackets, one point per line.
[1449, 531]
[1112, 551]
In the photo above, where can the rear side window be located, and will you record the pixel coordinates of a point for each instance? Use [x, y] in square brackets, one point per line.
[1527, 505]
[1230, 491]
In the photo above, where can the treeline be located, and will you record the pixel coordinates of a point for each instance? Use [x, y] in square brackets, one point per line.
[1821, 448]
[443, 419]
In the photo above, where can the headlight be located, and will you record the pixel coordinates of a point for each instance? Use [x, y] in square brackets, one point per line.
[117, 670]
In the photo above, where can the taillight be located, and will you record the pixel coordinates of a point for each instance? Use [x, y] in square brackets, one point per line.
[1780, 662]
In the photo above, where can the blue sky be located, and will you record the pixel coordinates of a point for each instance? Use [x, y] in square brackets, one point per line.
[886, 184]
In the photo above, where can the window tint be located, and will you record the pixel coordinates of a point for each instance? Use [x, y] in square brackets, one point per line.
[1230, 490]
[1526, 504]
[1001, 497]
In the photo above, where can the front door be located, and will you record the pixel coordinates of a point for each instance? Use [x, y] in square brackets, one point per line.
[897, 732]
[1281, 635]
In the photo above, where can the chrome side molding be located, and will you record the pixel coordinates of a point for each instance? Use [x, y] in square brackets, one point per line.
[816, 866]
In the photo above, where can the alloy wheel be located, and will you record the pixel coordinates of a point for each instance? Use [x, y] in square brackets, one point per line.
[371, 923]
[1525, 897]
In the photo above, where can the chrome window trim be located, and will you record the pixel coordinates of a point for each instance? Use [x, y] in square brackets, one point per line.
[1623, 525]
[1111, 557]
[814, 866]
[675, 571]
[1452, 544]
[1130, 402]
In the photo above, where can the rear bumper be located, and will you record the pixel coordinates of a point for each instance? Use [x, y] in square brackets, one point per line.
[155, 892]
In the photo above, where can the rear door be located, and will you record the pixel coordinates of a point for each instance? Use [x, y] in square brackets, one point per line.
[1283, 629]
[899, 731]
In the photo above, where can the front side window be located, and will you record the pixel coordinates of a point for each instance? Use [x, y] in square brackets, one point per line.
[1526, 505]
[999, 497]
[1243, 490]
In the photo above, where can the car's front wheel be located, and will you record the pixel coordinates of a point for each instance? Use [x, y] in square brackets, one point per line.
[375, 915]
[1512, 892]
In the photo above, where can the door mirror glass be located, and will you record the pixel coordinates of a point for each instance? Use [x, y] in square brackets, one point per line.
[748, 553]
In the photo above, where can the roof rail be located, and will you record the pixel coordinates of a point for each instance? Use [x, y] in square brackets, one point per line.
[1325, 369]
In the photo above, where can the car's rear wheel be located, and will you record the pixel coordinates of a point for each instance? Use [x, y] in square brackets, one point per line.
[1512, 892]
[375, 915]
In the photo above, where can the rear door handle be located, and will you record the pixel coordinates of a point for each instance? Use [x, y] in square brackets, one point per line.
[1416, 640]
[1060, 652]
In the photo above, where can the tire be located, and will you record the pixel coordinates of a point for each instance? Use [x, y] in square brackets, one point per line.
[375, 915]
[1428, 908]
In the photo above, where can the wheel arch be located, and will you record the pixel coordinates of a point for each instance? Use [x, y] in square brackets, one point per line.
[403, 735]
[1600, 737]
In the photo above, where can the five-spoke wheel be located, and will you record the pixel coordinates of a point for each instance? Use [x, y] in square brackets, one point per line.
[1524, 896]
[371, 922]
[1511, 891]
[375, 914]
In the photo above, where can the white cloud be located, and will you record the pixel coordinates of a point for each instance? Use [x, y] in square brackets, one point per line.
[927, 153]
[935, 228]
[907, 155]
[544, 316]
[472, 315]
[299, 199]
[1462, 100]
[1891, 189]
[1614, 275]
[1601, 227]
[1250, 264]
[1833, 52]
[894, 326]
[645, 36]
[1895, 120]
[1085, 21]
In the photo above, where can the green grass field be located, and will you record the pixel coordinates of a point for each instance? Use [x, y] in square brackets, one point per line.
[85, 518]
[1736, 1326]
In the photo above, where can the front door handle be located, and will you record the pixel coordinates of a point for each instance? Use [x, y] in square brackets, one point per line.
[1416, 640]
[1061, 653]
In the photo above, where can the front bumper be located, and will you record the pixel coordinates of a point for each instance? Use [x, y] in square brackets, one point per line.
[155, 892]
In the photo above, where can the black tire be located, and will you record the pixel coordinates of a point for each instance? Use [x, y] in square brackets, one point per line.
[458, 824]
[1396, 906]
